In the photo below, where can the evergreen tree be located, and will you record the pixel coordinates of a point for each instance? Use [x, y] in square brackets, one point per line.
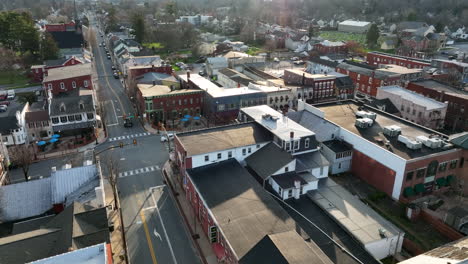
[372, 35]
[138, 25]
[49, 48]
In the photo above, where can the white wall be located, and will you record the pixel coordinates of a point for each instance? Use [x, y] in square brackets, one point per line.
[379, 154]
[385, 247]
[84, 118]
[199, 160]
[320, 173]
[334, 162]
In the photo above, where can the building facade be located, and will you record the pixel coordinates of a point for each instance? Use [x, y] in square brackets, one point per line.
[376, 58]
[66, 79]
[314, 87]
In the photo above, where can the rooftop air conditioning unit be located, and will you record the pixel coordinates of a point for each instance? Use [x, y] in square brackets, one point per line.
[433, 142]
[411, 144]
[365, 114]
[364, 122]
[392, 131]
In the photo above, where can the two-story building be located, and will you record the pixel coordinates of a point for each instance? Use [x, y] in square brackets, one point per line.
[65, 79]
[38, 123]
[38, 71]
[376, 58]
[12, 125]
[314, 87]
[73, 113]
[415, 107]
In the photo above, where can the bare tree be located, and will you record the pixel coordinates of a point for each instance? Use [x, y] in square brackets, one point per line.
[91, 34]
[113, 176]
[22, 156]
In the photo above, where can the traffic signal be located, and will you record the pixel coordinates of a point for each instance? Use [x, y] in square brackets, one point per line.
[121, 145]
[134, 142]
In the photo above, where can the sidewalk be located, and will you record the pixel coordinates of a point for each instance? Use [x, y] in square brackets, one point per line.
[90, 146]
[200, 240]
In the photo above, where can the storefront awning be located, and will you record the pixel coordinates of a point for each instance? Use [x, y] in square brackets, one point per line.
[450, 179]
[408, 192]
[441, 182]
[419, 188]
[219, 251]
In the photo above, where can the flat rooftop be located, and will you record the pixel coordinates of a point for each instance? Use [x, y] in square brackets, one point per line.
[366, 71]
[392, 68]
[68, 72]
[453, 252]
[344, 115]
[416, 98]
[149, 90]
[256, 227]
[359, 219]
[312, 76]
[327, 224]
[214, 90]
[223, 138]
[437, 86]
[283, 125]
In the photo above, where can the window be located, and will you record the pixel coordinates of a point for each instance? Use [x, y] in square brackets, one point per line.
[258, 146]
[85, 83]
[45, 123]
[230, 154]
[90, 115]
[185, 101]
[453, 164]
[359, 76]
[419, 114]
[207, 158]
[31, 125]
[286, 169]
[244, 151]
[307, 142]
[63, 119]
[290, 193]
[296, 144]
[321, 170]
[409, 176]
[62, 86]
[71, 118]
[288, 146]
[49, 86]
[219, 155]
[74, 84]
[414, 111]
[191, 100]
[78, 117]
[420, 173]
[55, 120]
[221, 107]
[250, 150]
[339, 165]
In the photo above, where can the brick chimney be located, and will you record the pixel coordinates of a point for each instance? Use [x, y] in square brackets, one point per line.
[188, 75]
[291, 135]
[238, 85]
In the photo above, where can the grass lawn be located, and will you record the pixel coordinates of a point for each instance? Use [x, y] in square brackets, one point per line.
[175, 67]
[155, 45]
[252, 51]
[13, 78]
[343, 36]
[24, 86]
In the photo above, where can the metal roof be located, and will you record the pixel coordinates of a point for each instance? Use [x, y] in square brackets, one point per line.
[91, 255]
[65, 182]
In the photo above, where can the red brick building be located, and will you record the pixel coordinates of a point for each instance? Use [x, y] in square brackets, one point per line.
[367, 78]
[456, 118]
[134, 72]
[37, 71]
[70, 26]
[161, 103]
[64, 79]
[376, 58]
[328, 47]
[313, 87]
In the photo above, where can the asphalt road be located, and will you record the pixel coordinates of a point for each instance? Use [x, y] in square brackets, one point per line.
[154, 229]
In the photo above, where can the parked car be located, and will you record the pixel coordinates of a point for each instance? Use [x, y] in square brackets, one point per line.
[164, 138]
[108, 57]
[11, 96]
[115, 74]
[100, 45]
[295, 58]
[128, 123]
[3, 108]
[201, 73]
[113, 68]
[299, 62]
[5, 103]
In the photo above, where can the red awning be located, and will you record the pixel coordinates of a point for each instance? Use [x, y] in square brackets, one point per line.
[219, 251]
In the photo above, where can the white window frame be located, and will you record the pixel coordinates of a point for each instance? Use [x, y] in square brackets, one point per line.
[85, 83]
[62, 86]
[74, 84]
[307, 142]
[49, 86]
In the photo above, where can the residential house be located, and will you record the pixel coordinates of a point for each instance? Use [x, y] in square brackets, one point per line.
[318, 65]
[353, 26]
[389, 44]
[277, 98]
[161, 103]
[339, 154]
[400, 158]
[12, 125]
[415, 107]
[196, 20]
[37, 120]
[456, 118]
[214, 64]
[294, 41]
[66, 79]
[73, 113]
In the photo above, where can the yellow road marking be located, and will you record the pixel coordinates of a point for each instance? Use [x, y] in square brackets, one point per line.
[148, 238]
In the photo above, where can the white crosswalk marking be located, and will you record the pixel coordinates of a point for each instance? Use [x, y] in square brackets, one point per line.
[138, 171]
[129, 136]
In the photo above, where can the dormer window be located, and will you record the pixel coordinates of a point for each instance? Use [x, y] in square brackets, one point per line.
[307, 142]
[81, 104]
[62, 107]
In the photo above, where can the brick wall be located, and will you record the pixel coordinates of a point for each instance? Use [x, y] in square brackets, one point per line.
[412, 247]
[440, 226]
[376, 59]
[68, 84]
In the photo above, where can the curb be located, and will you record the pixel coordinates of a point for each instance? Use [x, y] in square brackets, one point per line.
[186, 222]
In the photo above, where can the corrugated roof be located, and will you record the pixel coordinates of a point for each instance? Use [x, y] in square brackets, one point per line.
[64, 182]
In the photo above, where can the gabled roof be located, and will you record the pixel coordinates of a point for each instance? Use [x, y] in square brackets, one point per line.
[7, 124]
[36, 116]
[52, 63]
[75, 227]
[64, 105]
[287, 180]
[311, 160]
[68, 72]
[262, 160]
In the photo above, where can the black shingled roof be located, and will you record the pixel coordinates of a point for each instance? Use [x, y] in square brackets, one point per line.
[68, 39]
[268, 160]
